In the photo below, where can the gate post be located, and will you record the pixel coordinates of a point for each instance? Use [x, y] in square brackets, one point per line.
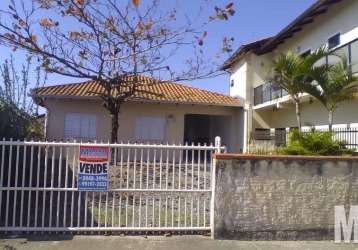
[213, 184]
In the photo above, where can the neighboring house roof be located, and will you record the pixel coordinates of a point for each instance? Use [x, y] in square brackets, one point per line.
[243, 50]
[267, 45]
[153, 91]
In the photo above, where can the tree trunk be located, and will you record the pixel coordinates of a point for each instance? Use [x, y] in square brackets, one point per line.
[330, 120]
[298, 114]
[114, 127]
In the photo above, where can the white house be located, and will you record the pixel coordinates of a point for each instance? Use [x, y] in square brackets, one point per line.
[333, 23]
[167, 112]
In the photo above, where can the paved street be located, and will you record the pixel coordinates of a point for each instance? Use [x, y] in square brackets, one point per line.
[159, 243]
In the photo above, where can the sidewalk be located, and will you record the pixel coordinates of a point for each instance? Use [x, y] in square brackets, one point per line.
[159, 243]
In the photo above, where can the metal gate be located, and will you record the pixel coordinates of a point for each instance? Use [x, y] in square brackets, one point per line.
[151, 188]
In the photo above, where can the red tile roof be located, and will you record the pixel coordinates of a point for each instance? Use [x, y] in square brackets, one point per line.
[154, 90]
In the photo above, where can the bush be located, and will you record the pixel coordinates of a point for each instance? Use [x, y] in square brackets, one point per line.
[17, 124]
[314, 143]
[262, 147]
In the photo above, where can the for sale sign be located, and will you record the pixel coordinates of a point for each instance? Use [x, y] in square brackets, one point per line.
[93, 168]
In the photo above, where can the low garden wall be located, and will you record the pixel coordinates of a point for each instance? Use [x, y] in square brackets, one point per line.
[281, 197]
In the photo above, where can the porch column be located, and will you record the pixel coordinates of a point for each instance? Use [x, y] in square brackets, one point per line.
[247, 127]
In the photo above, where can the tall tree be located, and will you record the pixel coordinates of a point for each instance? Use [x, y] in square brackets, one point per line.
[112, 42]
[332, 85]
[290, 72]
[18, 112]
[15, 84]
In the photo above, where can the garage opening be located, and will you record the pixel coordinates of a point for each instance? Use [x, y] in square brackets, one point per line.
[203, 129]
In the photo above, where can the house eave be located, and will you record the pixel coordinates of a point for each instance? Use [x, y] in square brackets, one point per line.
[269, 44]
[43, 98]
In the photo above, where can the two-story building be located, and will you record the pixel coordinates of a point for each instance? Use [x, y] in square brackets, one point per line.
[333, 23]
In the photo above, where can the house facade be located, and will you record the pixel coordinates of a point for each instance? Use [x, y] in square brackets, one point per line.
[330, 23]
[174, 113]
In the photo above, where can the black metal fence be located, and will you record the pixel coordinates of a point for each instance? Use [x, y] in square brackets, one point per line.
[265, 141]
[348, 135]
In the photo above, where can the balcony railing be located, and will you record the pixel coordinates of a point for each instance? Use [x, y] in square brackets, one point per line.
[267, 92]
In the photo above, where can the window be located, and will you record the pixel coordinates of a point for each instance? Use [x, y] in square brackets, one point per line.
[258, 95]
[334, 41]
[232, 83]
[280, 136]
[150, 128]
[262, 134]
[80, 126]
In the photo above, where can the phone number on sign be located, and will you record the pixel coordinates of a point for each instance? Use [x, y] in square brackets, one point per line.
[94, 184]
[92, 178]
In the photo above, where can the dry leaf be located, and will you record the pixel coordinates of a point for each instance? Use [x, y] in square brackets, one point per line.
[79, 2]
[135, 2]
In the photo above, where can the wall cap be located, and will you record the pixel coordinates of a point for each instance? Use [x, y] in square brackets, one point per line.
[283, 157]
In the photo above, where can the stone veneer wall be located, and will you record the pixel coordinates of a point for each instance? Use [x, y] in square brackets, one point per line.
[281, 197]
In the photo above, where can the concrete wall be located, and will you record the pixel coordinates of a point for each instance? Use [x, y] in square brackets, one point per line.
[280, 197]
[130, 111]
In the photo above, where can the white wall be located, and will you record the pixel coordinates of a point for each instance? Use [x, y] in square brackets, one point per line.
[340, 18]
[239, 76]
[312, 114]
[130, 111]
[252, 71]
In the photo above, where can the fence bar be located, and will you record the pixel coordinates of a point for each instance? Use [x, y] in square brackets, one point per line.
[8, 184]
[129, 190]
[66, 186]
[44, 185]
[154, 167]
[120, 210]
[52, 180]
[104, 229]
[115, 145]
[73, 186]
[30, 184]
[135, 168]
[37, 183]
[16, 180]
[23, 185]
[59, 185]
[2, 173]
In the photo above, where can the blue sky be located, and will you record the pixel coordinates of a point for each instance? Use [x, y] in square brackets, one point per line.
[254, 19]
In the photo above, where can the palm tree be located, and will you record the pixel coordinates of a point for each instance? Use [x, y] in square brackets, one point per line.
[332, 85]
[290, 73]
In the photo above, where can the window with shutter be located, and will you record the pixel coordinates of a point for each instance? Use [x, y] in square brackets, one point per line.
[80, 126]
[150, 128]
[334, 41]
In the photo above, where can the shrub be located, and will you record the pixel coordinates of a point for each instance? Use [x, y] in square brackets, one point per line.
[17, 124]
[314, 143]
[262, 147]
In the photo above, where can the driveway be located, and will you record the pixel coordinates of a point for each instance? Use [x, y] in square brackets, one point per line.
[158, 243]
